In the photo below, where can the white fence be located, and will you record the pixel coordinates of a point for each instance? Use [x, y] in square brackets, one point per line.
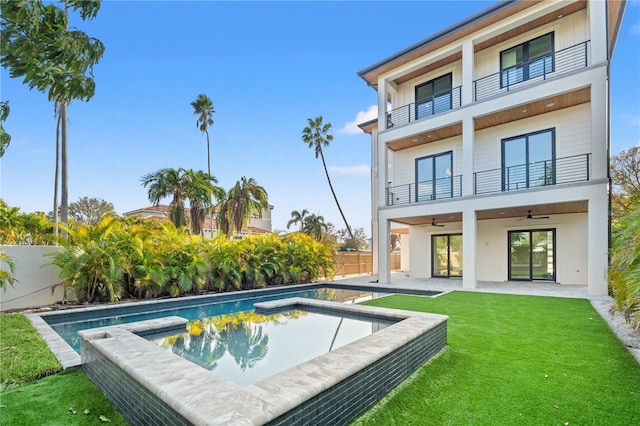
[35, 278]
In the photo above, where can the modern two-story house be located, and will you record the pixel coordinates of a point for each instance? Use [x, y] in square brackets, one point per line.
[490, 152]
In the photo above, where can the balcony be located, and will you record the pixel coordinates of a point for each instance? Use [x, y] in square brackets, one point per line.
[439, 189]
[543, 173]
[533, 72]
[424, 108]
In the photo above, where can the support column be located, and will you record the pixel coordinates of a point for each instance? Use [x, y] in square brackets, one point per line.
[599, 133]
[467, 156]
[375, 201]
[597, 12]
[384, 257]
[598, 234]
[382, 105]
[469, 248]
[467, 72]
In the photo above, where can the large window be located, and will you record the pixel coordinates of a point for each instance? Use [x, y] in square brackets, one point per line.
[528, 160]
[434, 179]
[527, 60]
[446, 255]
[433, 96]
[532, 255]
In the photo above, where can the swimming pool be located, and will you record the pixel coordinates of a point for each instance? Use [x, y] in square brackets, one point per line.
[147, 382]
[68, 323]
[245, 347]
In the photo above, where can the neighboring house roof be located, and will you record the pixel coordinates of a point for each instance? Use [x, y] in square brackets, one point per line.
[161, 212]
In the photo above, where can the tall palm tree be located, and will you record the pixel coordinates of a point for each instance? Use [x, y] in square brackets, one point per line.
[203, 108]
[298, 217]
[164, 183]
[314, 225]
[200, 188]
[317, 135]
[244, 199]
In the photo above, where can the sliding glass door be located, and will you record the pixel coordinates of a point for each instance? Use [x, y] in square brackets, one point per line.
[446, 255]
[532, 255]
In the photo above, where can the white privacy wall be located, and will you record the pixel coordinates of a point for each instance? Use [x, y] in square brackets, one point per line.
[35, 277]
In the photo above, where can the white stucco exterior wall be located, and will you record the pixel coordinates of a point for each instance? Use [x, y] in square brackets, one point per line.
[35, 277]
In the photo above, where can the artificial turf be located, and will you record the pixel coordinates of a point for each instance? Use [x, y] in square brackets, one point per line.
[515, 360]
[510, 360]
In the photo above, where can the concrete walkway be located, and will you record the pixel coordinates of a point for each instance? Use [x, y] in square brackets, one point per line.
[602, 304]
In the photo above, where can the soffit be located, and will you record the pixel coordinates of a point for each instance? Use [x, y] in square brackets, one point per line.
[428, 68]
[502, 213]
[531, 25]
[371, 77]
[536, 210]
[432, 135]
[532, 109]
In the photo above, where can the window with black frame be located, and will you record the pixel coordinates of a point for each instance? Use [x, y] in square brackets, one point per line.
[528, 160]
[434, 179]
[433, 97]
[528, 60]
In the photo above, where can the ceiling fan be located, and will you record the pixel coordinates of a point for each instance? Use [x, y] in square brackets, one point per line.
[433, 223]
[530, 216]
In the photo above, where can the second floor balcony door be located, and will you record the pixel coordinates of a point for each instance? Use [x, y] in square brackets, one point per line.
[433, 97]
[528, 160]
[433, 177]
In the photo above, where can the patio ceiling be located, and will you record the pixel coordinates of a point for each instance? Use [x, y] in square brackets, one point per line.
[501, 213]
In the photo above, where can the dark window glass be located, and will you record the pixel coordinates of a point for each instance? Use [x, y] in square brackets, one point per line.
[434, 179]
[526, 61]
[433, 97]
[528, 160]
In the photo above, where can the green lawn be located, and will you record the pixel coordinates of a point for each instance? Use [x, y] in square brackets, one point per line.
[33, 394]
[516, 360]
[511, 360]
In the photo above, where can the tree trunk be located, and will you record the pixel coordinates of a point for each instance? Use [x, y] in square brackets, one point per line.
[64, 196]
[57, 175]
[324, 164]
[211, 196]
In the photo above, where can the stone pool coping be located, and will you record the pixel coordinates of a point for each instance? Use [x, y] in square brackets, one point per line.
[69, 358]
[200, 397]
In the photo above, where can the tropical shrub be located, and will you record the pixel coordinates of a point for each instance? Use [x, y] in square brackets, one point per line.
[7, 277]
[124, 257]
[92, 262]
[624, 272]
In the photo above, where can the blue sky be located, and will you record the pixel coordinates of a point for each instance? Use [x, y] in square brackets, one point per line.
[267, 66]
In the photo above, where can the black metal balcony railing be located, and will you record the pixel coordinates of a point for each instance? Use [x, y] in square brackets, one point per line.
[543, 173]
[531, 72]
[425, 108]
[431, 190]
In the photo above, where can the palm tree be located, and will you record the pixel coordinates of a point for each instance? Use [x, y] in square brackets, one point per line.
[298, 217]
[243, 200]
[199, 190]
[203, 108]
[164, 183]
[314, 226]
[317, 135]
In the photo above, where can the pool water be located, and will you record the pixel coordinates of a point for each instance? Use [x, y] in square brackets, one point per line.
[246, 347]
[67, 326]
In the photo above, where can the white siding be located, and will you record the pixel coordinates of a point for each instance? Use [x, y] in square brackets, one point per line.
[404, 160]
[573, 135]
[406, 93]
[568, 31]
